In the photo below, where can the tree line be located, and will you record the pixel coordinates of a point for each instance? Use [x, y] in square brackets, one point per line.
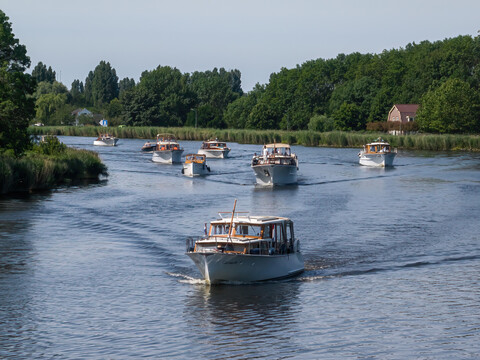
[349, 92]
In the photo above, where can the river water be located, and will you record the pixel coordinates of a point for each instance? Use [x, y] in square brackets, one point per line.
[392, 262]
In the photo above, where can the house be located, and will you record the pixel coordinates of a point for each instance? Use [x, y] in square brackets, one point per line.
[79, 112]
[401, 114]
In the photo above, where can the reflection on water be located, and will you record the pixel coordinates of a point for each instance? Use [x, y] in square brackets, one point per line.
[246, 321]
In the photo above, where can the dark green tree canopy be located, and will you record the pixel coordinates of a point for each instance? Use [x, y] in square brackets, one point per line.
[16, 88]
[453, 107]
[161, 98]
[102, 84]
[41, 73]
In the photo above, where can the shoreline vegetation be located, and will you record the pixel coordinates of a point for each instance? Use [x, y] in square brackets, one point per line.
[48, 166]
[434, 142]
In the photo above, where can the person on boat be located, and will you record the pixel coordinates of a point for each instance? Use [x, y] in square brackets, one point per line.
[265, 152]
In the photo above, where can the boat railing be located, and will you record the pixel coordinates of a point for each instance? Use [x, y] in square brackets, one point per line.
[191, 241]
[228, 214]
[275, 160]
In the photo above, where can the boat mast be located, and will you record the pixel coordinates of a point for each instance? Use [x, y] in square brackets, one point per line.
[231, 220]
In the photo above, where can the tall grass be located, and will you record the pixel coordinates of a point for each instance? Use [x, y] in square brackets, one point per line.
[36, 171]
[304, 137]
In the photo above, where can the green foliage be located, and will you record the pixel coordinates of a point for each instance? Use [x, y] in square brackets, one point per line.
[103, 87]
[77, 93]
[50, 146]
[16, 88]
[126, 84]
[38, 171]
[114, 109]
[321, 123]
[41, 73]
[307, 138]
[453, 107]
[348, 117]
[47, 104]
[161, 98]
[237, 112]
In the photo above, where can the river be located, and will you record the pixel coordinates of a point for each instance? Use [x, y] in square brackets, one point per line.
[392, 261]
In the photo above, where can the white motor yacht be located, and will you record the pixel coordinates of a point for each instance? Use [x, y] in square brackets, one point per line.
[195, 165]
[168, 150]
[277, 165]
[378, 153]
[242, 248]
[105, 140]
[214, 149]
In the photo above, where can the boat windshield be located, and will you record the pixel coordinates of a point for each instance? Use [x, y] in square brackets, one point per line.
[238, 230]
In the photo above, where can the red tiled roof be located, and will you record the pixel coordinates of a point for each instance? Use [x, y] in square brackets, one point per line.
[410, 108]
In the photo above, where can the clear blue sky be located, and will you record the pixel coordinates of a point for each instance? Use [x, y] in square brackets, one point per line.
[258, 37]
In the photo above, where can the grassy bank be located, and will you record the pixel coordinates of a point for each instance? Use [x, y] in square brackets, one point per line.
[307, 138]
[39, 171]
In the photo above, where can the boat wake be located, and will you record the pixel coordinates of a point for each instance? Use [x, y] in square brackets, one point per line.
[313, 273]
[187, 279]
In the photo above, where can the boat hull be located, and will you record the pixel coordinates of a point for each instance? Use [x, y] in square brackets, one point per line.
[214, 153]
[377, 160]
[227, 267]
[167, 156]
[272, 174]
[195, 169]
[105, 142]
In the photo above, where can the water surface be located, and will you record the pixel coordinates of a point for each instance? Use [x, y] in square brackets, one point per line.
[392, 261]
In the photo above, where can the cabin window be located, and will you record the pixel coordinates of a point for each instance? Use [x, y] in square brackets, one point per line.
[250, 230]
[266, 232]
[290, 232]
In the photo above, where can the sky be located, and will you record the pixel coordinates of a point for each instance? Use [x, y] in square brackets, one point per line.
[257, 37]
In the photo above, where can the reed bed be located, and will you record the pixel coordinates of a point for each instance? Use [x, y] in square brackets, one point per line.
[36, 171]
[307, 138]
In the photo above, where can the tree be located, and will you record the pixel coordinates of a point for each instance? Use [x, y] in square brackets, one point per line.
[215, 90]
[41, 73]
[348, 118]
[125, 84]
[104, 84]
[261, 117]
[321, 123]
[161, 98]
[453, 107]
[47, 104]
[77, 93]
[16, 88]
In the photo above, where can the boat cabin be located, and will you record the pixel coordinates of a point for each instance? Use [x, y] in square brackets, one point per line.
[275, 154]
[256, 235]
[379, 146]
[213, 144]
[167, 142]
[195, 158]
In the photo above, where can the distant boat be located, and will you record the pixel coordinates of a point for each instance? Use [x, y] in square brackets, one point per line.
[378, 153]
[105, 140]
[214, 149]
[275, 166]
[149, 146]
[195, 165]
[167, 150]
[246, 248]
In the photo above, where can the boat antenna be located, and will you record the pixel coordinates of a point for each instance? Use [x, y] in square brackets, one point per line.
[231, 220]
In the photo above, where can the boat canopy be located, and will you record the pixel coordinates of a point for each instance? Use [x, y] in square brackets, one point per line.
[226, 218]
[271, 146]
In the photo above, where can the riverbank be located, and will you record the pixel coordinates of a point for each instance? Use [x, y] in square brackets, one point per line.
[306, 138]
[35, 171]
